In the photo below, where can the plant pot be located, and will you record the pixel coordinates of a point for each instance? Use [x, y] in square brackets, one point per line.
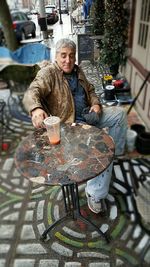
[139, 128]
[143, 143]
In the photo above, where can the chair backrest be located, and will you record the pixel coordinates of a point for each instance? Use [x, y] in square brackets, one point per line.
[31, 53]
[19, 73]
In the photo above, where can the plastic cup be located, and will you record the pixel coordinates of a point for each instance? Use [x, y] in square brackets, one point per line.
[52, 125]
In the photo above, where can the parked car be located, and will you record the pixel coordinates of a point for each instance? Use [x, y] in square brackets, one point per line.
[51, 14]
[22, 25]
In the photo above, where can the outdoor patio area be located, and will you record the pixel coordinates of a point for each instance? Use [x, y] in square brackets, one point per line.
[26, 208]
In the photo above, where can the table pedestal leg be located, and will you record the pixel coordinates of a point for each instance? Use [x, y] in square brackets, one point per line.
[72, 209]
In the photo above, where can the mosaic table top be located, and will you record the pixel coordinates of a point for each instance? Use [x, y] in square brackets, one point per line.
[84, 152]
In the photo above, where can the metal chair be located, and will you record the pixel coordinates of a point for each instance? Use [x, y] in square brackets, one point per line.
[21, 69]
[76, 27]
[18, 77]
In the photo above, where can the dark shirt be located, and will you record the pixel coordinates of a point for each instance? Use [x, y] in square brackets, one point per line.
[78, 94]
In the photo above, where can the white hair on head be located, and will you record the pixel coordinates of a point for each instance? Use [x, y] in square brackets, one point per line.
[65, 42]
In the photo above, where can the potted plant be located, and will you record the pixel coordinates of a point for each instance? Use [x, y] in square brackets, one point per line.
[113, 51]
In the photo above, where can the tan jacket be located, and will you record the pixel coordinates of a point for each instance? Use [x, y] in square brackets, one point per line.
[50, 91]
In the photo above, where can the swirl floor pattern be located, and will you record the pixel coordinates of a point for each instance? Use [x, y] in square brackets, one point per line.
[26, 209]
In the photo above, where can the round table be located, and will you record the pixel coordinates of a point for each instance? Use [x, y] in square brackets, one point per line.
[83, 153]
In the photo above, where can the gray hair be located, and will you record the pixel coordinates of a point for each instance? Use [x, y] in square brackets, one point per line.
[65, 42]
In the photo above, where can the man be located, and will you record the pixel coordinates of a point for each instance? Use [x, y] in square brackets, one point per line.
[77, 14]
[61, 89]
[86, 7]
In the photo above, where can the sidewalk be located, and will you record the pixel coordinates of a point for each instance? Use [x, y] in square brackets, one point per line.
[60, 31]
[26, 209]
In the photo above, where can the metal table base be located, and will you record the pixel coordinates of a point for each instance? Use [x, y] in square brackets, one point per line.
[72, 208]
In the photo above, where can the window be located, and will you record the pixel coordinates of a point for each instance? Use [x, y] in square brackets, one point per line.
[23, 16]
[144, 23]
[49, 10]
[15, 17]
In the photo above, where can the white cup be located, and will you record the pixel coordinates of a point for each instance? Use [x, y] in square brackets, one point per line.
[130, 140]
[52, 124]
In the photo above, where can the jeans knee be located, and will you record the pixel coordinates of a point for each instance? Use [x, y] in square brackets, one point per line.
[122, 115]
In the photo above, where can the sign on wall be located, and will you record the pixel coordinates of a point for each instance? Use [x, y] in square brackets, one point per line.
[85, 46]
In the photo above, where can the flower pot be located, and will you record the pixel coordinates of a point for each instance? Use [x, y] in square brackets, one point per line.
[139, 128]
[143, 143]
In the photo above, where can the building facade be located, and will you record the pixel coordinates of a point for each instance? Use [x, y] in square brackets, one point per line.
[138, 64]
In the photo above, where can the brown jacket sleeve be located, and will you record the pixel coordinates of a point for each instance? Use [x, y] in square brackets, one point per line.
[38, 90]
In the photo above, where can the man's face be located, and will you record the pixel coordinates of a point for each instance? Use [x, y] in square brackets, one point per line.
[66, 59]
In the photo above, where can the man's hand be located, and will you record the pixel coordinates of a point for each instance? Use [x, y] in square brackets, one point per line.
[37, 117]
[96, 108]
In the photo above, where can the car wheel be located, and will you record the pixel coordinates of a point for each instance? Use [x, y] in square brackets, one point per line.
[3, 42]
[33, 34]
[23, 36]
[56, 19]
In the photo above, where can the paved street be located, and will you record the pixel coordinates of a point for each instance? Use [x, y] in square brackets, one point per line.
[27, 209]
[59, 31]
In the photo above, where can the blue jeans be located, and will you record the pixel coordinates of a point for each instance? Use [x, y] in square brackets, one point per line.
[98, 187]
[115, 119]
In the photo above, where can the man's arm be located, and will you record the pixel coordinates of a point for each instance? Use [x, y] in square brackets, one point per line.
[37, 91]
[35, 96]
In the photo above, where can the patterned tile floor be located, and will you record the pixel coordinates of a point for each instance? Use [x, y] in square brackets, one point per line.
[26, 209]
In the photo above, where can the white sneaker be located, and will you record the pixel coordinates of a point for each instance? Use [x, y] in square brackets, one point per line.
[95, 207]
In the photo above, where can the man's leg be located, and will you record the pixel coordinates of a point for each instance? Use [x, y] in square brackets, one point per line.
[115, 119]
[97, 189]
